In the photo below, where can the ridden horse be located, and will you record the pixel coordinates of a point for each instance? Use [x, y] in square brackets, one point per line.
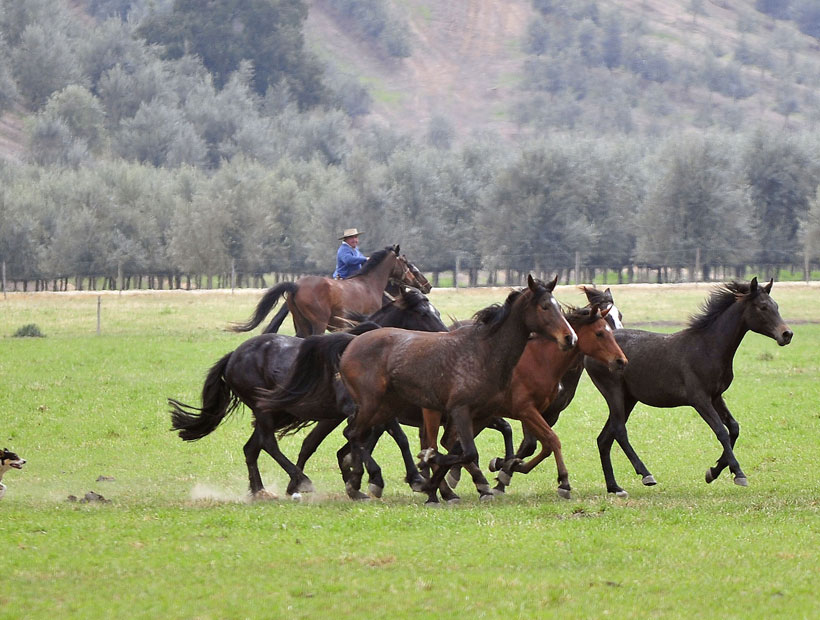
[452, 373]
[264, 361]
[317, 303]
[690, 367]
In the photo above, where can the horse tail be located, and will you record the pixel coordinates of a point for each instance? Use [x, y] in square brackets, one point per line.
[265, 305]
[277, 321]
[218, 401]
[315, 367]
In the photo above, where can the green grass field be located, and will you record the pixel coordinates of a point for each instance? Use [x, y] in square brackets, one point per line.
[179, 539]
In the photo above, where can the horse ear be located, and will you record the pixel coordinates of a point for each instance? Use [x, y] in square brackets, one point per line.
[768, 287]
[753, 285]
[530, 282]
[396, 249]
[552, 283]
[605, 311]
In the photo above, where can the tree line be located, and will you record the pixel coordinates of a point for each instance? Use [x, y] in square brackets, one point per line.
[691, 200]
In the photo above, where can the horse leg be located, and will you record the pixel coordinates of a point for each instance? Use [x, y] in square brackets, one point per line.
[734, 430]
[252, 449]
[550, 444]
[353, 455]
[269, 444]
[412, 475]
[314, 438]
[461, 422]
[619, 434]
[505, 469]
[712, 418]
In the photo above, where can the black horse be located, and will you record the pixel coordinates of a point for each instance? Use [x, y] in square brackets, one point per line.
[690, 367]
[263, 362]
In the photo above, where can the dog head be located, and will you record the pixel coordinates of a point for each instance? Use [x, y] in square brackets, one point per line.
[9, 460]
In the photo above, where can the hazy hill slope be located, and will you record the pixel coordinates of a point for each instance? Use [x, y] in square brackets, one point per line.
[467, 59]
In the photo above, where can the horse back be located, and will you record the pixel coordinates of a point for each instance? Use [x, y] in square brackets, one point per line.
[665, 370]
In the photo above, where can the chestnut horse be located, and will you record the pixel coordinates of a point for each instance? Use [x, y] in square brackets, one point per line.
[318, 303]
[690, 367]
[536, 381]
[453, 373]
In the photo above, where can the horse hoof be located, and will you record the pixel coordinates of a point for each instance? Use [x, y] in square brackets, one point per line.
[419, 486]
[432, 504]
[649, 480]
[504, 478]
[454, 500]
[498, 490]
[565, 493]
[496, 464]
[296, 497]
[264, 496]
[375, 490]
[621, 493]
[741, 481]
[355, 494]
[452, 480]
[709, 477]
[486, 497]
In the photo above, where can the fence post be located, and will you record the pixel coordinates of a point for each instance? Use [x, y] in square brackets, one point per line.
[457, 269]
[577, 268]
[697, 266]
[233, 274]
[99, 303]
[4, 279]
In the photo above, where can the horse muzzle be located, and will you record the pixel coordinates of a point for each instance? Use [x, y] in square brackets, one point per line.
[617, 365]
[784, 337]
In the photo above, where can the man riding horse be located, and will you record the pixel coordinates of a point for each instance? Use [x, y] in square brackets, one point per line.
[349, 259]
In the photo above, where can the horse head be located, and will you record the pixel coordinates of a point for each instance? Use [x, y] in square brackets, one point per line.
[548, 319]
[595, 336]
[762, 315]
[605, 302]
[406, 274]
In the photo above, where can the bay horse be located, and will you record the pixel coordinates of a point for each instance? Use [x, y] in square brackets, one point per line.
[265, 361]
[317, 303]
[538, 383]
[690, 367]
[451, 373]
[566, 392]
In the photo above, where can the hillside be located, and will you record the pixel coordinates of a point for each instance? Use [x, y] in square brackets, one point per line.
[467, 60]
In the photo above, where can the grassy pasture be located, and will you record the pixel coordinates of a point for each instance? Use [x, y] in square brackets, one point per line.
[179, 539]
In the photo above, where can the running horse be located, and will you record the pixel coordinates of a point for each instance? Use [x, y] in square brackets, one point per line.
[450, 373]
[265, 361]
[537, 384]
[318, 303]
[689, 367]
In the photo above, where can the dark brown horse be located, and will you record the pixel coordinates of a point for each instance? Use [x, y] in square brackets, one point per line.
[317, 303]
[265, 361]
[568, 385]
[454, 373]
[690, 367]
[536, 381]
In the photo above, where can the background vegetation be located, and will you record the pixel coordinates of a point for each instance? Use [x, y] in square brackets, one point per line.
[179, 540]
[170, 141]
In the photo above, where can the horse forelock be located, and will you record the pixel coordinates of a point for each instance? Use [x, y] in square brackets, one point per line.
[721, 299]
[580, 316]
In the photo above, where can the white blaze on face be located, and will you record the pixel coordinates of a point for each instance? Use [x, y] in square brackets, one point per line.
[614, 314]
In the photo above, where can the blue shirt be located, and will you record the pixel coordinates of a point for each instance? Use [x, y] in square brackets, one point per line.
[348, 261]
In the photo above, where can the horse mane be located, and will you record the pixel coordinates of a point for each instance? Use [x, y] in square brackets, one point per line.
[595, 295]
[718, 302]
[491, 318]
[376, 258]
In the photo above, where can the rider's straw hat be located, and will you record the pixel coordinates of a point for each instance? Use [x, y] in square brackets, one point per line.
[350, 232]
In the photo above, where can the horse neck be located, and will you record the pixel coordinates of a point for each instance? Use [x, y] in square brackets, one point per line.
[504, 348]
[381, 273]
[548, 355]
[727, 331]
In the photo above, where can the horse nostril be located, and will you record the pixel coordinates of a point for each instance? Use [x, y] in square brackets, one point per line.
[787, 336]
[621, 362]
